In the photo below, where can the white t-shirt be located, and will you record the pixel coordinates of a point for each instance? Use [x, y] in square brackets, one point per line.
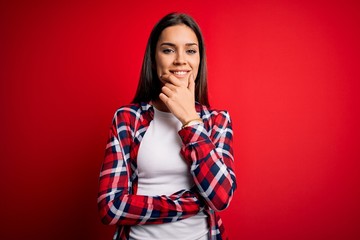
[163, 171]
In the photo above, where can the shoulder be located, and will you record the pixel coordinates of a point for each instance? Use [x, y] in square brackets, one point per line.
[132, 117]
[133, 110]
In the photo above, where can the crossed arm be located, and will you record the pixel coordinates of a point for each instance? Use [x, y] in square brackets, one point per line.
[211, 160]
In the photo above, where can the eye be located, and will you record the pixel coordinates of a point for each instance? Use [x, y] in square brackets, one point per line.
[191, 51]
[167, 50]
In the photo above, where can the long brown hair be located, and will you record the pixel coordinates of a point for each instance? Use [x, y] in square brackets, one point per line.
[149, 86]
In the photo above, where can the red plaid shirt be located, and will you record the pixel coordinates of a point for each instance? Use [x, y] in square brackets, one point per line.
[208, 149]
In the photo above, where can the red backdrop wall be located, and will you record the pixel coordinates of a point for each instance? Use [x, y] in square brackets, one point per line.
[288, 72]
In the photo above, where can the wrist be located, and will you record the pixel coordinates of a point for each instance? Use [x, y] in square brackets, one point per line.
[192, 122]
[193, 115]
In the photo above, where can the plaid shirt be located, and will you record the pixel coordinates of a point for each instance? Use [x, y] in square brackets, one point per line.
[208, 149]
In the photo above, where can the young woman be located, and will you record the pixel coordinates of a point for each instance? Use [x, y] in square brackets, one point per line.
[168, 164]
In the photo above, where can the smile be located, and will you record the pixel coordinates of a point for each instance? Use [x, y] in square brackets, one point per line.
[180, 72]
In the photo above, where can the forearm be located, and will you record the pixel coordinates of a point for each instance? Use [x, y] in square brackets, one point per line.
[119, 205]
[211, 159]
[128, 209]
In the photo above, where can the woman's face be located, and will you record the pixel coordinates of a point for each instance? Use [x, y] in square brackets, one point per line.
[177, 53]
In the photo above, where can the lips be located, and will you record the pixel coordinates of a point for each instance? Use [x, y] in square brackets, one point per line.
[179, 73]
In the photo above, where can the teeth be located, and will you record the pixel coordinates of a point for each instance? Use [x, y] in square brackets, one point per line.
[180, 72]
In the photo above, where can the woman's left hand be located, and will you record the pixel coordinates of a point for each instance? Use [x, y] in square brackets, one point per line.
[179, 97]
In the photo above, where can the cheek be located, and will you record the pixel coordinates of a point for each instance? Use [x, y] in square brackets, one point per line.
[161, 63]
[196, 65]
[197, 68]
[158, 65]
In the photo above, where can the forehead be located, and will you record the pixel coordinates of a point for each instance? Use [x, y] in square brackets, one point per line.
[178, 34]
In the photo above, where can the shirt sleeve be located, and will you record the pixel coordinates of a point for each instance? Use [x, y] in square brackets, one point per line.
[210, 153]
[117, 204]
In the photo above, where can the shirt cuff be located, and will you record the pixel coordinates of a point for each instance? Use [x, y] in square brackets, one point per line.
[193, 134]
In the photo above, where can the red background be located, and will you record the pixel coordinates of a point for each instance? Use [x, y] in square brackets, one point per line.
[288, 72]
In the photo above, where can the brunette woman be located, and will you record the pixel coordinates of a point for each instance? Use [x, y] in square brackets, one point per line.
[168, 165]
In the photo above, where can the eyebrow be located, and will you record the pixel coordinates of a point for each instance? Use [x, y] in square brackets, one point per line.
[174, 45]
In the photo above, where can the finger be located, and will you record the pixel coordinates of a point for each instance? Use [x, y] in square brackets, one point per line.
[171, 86]
[191, 85]
[166, 100]
[171, 79]
[167, 91]
[163, 98]
[165, 77]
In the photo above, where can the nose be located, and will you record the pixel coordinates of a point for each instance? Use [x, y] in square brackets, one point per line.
[179, 59]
